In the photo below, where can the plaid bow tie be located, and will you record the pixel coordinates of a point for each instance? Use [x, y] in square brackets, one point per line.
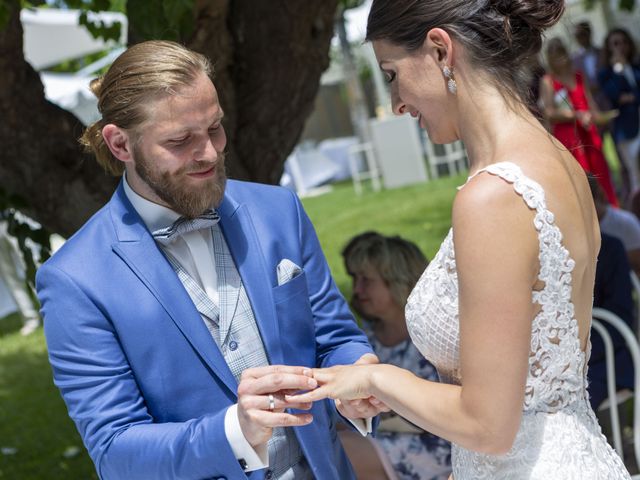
[184, 225]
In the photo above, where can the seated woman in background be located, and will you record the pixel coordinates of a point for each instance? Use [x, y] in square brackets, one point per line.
[572, 114]
[384, 270]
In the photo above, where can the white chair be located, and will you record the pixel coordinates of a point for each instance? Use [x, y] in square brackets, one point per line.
[310, 171]
[371, 172]
[600, 316]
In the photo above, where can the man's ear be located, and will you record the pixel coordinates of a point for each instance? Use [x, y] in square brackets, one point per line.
[119, 142]
[438, 43]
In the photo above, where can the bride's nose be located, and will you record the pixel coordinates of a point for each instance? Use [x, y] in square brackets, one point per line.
[398, 107]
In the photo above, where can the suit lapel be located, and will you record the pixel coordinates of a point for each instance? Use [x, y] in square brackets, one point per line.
[136, 247]
[243, 243]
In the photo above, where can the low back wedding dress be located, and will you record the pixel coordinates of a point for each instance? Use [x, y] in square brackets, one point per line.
[559, 436]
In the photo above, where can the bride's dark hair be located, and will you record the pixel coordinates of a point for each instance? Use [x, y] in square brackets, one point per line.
[502, 37]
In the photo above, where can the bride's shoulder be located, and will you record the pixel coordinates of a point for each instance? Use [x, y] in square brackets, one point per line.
[489, 205]
[488, 193]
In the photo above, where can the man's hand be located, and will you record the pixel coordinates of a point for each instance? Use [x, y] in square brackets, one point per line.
[258, 414]
[362, 408]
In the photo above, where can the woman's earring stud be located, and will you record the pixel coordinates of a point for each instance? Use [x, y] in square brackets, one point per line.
[451, 82]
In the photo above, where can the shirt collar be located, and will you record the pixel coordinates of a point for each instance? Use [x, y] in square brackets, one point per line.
[153, 215]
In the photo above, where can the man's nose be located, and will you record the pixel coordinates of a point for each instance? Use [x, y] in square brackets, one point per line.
[206, 152]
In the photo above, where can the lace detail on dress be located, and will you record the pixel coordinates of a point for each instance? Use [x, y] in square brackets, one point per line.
[558, 430]
[556, 363]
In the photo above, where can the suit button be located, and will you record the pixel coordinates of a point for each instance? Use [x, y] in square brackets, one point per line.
[233, 345]
[268, 475]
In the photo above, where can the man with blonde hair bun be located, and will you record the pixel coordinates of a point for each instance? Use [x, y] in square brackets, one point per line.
[179, 316]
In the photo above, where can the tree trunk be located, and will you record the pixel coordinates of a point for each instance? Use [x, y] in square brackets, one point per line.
[268, 57]
[42, 162]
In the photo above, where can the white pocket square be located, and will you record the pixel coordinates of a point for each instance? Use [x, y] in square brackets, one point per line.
[287, 271]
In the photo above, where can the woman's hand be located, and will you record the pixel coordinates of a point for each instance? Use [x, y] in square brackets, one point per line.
[585, 118]
[344, 383]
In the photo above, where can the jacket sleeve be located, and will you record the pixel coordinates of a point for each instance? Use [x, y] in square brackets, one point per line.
[98, 386]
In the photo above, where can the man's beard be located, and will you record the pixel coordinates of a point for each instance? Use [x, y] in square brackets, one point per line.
[186, 200]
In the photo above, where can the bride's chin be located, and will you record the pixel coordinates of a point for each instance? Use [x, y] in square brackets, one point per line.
[439, 137]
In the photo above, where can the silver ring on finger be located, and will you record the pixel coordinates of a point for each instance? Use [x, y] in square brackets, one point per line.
[272, 402]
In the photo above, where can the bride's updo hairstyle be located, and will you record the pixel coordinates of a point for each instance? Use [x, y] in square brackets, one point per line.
[500, 37]
[143, 73]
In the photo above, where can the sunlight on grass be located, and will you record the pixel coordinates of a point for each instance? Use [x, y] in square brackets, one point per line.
[420, 213]
[35, 431]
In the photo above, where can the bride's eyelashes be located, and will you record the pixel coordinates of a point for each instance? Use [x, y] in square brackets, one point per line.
[389, 76]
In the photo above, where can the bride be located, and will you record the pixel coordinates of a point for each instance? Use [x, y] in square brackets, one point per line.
[504, 309]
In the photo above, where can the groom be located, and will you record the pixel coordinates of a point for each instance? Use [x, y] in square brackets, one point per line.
[180, 315]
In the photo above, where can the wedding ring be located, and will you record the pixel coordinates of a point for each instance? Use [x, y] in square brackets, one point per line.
[272, 402]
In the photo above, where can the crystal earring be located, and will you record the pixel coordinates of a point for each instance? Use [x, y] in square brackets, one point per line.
[451, 82]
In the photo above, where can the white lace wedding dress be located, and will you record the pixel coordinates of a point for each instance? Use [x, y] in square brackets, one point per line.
[559, 437]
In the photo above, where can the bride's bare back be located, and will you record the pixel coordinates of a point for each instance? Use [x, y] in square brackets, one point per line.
[569, 198]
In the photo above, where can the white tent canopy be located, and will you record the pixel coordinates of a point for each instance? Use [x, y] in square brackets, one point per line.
[52, 36]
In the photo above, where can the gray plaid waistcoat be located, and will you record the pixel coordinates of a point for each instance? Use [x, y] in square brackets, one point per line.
[233, 327]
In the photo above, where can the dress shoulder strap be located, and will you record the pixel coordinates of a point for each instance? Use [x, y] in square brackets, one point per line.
[530, 190]
[532, 193]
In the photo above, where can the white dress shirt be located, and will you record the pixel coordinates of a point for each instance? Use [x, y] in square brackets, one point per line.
[185, 249]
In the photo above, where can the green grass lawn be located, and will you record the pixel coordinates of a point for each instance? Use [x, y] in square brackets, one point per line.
[36, 434]
[420, 213]
[33, 419]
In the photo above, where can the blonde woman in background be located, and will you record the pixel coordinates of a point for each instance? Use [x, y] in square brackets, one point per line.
[384, 270]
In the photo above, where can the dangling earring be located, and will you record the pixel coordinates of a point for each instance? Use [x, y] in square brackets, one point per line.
[451, 82]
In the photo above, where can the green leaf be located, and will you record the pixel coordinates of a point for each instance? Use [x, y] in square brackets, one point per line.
[347, 4]
[628, 5]
[101, 5]
[5, 13]
[148, 20]
[158, 19]
[179, 16]
[100, 29]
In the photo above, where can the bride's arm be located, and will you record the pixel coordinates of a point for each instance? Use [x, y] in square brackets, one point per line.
[496, 250]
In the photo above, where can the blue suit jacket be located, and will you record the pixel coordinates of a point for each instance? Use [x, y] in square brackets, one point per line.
[625, 125]
[141, 376]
